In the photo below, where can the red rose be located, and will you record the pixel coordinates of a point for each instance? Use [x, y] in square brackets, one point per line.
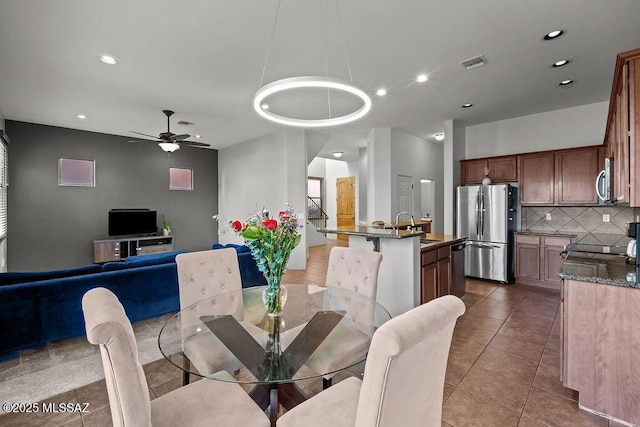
[270, 224]
[284, 215]
[237, 225]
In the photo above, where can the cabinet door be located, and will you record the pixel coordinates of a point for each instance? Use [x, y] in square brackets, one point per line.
[106, 251]
[444, 277]
[503, 169]
[621, 134]
[537, 178]
[474, 170]
[528, 261]
[429, 288]
[552, 263]
[576, 171]
[633, 92]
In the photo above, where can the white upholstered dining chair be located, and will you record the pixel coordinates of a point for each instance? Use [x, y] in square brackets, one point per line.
[355, 270]
[209, 274]
[403, 380]
[204, 403]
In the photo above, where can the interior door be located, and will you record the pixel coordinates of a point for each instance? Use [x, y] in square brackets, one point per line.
[405, 194]
[346, 203]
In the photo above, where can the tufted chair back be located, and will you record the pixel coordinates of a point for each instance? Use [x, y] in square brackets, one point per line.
[109, 327]
[354, 269]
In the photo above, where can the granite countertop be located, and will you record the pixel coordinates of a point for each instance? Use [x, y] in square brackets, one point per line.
[372, 232]
[546, 233]
[439, 241]
[590, 263]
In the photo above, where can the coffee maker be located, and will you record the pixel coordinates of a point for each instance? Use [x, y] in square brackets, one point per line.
[633, 231]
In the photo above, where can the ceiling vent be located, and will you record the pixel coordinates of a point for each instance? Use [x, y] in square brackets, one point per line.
[472, 63]
[185, 123]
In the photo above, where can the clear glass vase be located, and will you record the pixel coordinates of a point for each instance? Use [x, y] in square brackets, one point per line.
[274, 296]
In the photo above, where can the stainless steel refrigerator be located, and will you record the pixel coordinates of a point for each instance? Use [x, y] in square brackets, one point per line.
[487, 216]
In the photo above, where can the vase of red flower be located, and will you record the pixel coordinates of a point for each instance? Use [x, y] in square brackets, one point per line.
[271, 242]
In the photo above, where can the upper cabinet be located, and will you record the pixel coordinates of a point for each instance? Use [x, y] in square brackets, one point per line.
[499, 169]
[537, 178]
[623, 125]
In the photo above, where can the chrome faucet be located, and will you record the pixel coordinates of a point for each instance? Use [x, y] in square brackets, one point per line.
[413, 222]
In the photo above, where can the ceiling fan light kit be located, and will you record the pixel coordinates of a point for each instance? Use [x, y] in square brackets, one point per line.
[305, 82]
[169, 147]
[169, 141]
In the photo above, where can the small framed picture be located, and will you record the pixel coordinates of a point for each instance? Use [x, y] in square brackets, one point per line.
[76, 172]
[180, 179]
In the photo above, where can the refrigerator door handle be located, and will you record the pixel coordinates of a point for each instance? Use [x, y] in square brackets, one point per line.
[477, 209]
[482, 213]
[482, 245]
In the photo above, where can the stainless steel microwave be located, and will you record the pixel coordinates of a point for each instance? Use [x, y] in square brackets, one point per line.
[604, 182]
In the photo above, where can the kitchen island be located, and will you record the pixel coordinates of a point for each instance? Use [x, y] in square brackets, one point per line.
[600, 340]
[399, 278]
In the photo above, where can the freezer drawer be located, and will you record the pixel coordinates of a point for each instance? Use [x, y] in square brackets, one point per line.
[487, 261]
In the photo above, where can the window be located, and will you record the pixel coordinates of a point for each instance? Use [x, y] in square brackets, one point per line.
[180, 179]
[76, 172]
[315, 201]
[4, 182]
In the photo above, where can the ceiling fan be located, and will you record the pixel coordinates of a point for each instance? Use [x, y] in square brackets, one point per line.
[169, 141]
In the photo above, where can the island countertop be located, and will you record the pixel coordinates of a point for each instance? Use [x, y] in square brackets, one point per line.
[439, 240]
[371, 232]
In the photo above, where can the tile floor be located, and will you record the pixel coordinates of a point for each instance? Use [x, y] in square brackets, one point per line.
[503, 365]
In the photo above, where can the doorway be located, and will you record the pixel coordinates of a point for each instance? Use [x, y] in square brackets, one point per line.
[345, 203]
[405, 194]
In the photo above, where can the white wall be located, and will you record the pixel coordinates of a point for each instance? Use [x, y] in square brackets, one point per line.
[362, 185]
[264, 171]
[379, 175]
[318, 169]
[417, 158]
[566, 128]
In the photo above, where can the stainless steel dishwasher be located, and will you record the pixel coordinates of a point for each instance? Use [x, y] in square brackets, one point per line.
[458, 281]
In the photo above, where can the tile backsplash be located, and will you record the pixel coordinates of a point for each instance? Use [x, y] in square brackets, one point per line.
[586, 222]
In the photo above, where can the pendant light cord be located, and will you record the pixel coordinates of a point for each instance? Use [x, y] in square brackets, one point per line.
[344, 45]
[273, 30]
[324, 49]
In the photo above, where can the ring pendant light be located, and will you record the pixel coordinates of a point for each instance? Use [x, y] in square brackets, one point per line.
[305, 82]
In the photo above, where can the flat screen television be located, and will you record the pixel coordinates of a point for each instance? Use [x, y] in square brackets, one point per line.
[131, 222]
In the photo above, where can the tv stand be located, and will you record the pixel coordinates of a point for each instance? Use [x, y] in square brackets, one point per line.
[117, 249]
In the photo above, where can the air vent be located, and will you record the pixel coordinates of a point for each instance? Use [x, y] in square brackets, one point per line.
[472, 63]
[185, 123]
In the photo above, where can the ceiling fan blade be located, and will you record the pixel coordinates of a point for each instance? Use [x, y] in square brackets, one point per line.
[146, 140]
[180, 137]
[143, 134]
[194, 143]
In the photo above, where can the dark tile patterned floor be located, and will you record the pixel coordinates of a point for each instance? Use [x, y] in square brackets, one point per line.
[503, 369]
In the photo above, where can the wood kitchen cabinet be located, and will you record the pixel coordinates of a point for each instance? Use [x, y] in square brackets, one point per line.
[599, 347]
[435, 273]
[623, 127]
[559, 177]
[538, 259]
[500, 169]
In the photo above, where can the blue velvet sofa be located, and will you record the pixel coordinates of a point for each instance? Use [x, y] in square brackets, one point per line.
[249, 272]
[39, 307]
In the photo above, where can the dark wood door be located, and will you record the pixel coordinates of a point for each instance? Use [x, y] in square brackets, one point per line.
[552, 263]
[444, 277]
[474, 170]
[576, 171]
[528, 261]
[429, 288]
[537, 178]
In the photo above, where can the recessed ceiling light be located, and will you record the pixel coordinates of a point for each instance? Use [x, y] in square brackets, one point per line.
[425, 180]
[337, 154]
[381, 92]
[439, 136]
[265, 106]
[108, 59]
[553, 34]
[422, 78]
[561, 63]
[467, 105]
[81, 116]
[197, 136]
[566, 82]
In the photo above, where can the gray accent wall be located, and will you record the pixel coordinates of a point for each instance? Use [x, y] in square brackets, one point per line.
[53, 227]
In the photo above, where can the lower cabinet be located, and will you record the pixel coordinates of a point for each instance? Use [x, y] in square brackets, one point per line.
[435, 273]
[599, 348]
[538, 259]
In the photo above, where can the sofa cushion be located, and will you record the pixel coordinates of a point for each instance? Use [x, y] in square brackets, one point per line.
[15, 277]
[135, 261]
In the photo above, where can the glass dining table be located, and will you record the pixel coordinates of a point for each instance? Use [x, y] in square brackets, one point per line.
[330, 327]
